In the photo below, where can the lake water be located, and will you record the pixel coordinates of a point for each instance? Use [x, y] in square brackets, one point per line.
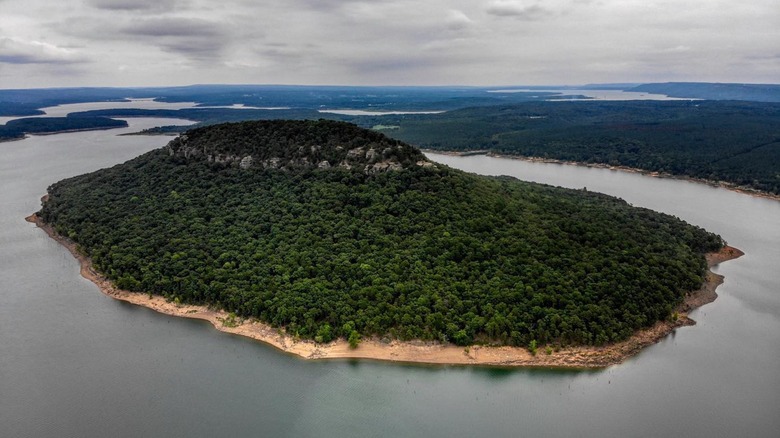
[65, 109]
[75, 363]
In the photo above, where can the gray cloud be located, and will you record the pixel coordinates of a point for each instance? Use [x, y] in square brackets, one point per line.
[331, 5]
[457, 20]
[196, 39]
[135, 5]
[392, 42]
[174, 27]
[17, 51]
[284, 53]
[518, 9]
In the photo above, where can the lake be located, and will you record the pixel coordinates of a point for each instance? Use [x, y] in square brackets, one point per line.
[75, 363]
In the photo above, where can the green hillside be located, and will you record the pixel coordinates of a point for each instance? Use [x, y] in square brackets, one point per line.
[329, 230]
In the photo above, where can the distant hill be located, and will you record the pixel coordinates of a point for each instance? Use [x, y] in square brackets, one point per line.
[328, 230]
[377, 98]
[736, 142]
[714, 91]
[16, 129]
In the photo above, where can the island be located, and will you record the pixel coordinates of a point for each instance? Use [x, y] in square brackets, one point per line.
[16, 129]
[328, 241]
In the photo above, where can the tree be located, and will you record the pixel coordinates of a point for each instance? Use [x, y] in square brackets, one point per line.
[354, 339]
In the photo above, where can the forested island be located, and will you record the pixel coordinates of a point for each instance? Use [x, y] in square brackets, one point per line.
[16, 129]
[326, 230]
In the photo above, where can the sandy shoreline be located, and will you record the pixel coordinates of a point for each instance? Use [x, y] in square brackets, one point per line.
[414, 352]
[724, 184]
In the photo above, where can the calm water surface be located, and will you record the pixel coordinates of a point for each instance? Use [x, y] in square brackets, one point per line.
[74, 363]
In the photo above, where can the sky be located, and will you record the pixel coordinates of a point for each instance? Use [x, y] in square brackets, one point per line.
[46, 43]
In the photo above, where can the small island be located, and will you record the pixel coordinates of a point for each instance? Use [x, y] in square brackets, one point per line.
[327, 240]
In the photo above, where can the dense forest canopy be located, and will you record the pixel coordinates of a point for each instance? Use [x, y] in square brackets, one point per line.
[737, 142]
[416, 251]
[16, 129]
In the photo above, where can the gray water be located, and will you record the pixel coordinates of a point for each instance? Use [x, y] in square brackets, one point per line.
[74, 363]
[65, 109]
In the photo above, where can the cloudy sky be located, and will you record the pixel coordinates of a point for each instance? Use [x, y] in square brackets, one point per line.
[386, 42]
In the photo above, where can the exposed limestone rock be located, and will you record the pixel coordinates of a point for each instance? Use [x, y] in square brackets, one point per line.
[371, 155]
[383, 166]
[272, 163]
[246, 162]
[286, 152]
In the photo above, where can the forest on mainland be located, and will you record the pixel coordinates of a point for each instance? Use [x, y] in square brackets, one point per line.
[735, 142]
[730, 135]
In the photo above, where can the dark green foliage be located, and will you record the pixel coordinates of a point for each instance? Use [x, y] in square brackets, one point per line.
[210, 116]
[50, 125]
[737, 142]
[18, 109]
[294, 143]
[419, 253]
[354, 339]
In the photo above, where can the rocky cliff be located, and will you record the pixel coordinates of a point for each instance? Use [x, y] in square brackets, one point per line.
[296, 145]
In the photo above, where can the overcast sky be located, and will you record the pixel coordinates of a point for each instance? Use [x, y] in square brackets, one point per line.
[386, 42]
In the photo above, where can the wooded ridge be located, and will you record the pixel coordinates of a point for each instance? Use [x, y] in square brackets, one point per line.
[414, 251]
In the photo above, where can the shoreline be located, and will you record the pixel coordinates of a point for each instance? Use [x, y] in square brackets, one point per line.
[722, 184]
[418, 352]
[65, 131]
[68, 131]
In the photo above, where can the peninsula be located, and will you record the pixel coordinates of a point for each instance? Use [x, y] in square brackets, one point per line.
[318, 237]
[18, 128]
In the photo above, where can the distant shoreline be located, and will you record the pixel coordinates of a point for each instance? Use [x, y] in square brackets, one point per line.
[712, 183]
[64, 131]
[414, 351]
[67, 131]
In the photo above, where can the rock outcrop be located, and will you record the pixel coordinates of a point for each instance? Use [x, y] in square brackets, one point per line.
[295, 146]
